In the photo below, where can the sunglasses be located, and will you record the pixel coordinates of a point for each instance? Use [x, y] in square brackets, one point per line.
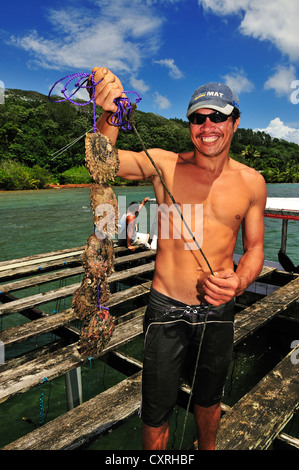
[215, 117]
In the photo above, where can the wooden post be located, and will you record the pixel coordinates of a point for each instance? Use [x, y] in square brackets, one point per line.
[73, 383]
[284, 233]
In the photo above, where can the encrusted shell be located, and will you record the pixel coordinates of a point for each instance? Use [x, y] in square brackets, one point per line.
[105, 209]
[98, 258]
[101, 157]
[96, 334]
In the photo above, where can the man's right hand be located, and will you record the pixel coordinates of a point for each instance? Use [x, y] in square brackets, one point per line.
[108, 89]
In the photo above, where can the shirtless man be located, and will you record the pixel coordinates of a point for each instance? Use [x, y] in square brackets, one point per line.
[231, 194]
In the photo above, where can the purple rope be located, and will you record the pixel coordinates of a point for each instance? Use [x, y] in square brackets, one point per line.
[98, 299]
[124, 105]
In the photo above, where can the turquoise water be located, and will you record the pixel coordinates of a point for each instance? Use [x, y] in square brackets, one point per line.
[34, 222]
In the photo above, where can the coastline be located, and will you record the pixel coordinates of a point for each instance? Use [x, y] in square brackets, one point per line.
[71, 185]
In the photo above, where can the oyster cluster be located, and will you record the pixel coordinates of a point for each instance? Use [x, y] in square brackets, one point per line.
[98, 257]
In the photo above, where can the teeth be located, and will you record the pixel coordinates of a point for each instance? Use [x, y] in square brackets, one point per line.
[209, 139]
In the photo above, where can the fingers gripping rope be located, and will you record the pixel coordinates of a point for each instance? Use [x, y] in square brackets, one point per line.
[120, 118]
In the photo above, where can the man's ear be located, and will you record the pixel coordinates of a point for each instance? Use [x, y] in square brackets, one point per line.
[236, 123]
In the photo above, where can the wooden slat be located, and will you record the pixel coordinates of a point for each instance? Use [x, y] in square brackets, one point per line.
[37, 299]
[39, 258]
[58, 262]
[261, 414]
[39, 280]
[87, 420]
[16, 334]
[266, 271]
[262, 311]
[24, 377]
[36, 268]
[44, 260]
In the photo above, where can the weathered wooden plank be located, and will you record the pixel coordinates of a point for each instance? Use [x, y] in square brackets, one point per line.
[21, 378]
[41, 257]
[266, 271]
[37, 327]
[262, 413]
[39, 280]
[37, 299]
[129, 294]
[38, 267]
[44, 260]
[80, 425]
[262, 311]
[58, 262]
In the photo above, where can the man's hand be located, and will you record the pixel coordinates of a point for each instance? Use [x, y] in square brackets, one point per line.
[222, 287]
[108, 89]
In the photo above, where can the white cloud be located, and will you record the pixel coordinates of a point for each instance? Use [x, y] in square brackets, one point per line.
[118, 37]
[277, 128]
[281, 81]
[139, 84]
[161, 101]
[238, 81]
[174, 71]
[276, 21]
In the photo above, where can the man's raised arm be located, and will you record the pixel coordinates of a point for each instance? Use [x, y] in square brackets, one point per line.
[133, 165]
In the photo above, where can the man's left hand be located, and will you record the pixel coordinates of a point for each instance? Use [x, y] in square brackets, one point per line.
[221, 287]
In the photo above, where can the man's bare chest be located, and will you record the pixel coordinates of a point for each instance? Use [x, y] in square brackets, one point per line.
[225, 199]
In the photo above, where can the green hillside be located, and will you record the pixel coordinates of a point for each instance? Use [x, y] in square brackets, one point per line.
[34, 132]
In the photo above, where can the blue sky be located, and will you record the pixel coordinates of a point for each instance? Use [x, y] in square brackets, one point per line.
[163, 49]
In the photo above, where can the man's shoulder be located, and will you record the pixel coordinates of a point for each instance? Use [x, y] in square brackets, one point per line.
[165, 159]
[161, 153]
[252, 180]
[245, 171]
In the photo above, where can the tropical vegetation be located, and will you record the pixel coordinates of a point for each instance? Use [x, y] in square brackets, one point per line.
[40, 143]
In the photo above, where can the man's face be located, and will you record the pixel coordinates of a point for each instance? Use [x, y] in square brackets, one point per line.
[212, 139]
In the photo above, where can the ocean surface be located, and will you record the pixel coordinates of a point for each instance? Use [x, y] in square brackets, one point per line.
[34, 222]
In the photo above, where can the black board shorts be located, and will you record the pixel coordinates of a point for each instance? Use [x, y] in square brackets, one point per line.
[172, 336]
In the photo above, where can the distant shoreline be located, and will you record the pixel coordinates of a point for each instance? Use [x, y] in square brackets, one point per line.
[74, 185]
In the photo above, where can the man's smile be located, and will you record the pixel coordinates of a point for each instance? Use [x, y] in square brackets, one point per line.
[209, 138]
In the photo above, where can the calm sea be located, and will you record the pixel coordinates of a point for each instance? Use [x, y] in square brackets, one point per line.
[34, 222]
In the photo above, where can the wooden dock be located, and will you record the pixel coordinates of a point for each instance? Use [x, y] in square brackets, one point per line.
[256, 421]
